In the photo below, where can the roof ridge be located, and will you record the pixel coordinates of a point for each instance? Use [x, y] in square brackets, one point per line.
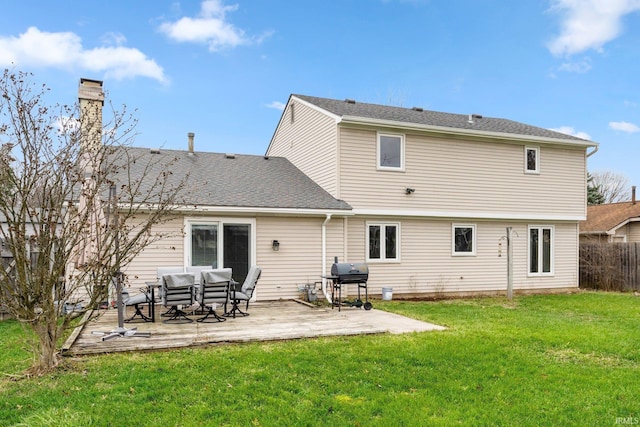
[434, 118]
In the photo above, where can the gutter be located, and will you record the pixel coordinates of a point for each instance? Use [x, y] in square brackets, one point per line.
[469, 215]
[191, 209]
[508, 137]
[324, 258]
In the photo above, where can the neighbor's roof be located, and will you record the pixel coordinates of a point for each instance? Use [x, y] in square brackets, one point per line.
[218, 179]
[604, 218]
[420, 117]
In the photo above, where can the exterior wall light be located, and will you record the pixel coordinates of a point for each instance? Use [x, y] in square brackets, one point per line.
[275, 245]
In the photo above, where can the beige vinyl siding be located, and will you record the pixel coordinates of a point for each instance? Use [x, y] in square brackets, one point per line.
[620, 235]
[299, 259]
[628, 233]
[451, 175]
[310, 143]
[428, 267]
[633, 232]
[167, 252]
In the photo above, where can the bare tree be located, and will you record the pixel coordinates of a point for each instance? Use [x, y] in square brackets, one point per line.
[57, 213]
[614, 187]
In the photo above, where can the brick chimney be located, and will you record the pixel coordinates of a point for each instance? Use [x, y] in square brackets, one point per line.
[190, 137]
[91, 98]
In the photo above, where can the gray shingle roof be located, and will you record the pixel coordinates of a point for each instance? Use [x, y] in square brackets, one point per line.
[431, 118]
[242, 181]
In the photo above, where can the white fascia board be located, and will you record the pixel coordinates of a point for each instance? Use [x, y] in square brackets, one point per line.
[507, 137]
[622, 224]
[316, 108]
[250, 210]
[469, 215]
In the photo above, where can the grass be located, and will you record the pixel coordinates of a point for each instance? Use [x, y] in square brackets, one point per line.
[539, 360]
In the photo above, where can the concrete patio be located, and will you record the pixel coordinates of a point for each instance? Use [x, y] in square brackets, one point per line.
[268, 321]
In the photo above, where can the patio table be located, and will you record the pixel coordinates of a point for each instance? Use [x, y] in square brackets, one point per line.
[152, 305]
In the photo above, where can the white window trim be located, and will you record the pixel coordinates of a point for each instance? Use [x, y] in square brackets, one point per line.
[540, 273]
[473, 241]
[220, 221]
[402, 151]
[536, 171]
[383, 243]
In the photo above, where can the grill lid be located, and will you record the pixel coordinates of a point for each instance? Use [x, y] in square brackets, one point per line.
[355, 272]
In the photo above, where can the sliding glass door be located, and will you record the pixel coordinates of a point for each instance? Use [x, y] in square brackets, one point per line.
[204, 245]
[236, 248]
[221, 243]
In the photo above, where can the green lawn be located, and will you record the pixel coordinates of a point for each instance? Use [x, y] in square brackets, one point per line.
[552, 360]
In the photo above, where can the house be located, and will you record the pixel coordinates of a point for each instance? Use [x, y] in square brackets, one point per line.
[432, 194]
[612, 222]
[424, 198]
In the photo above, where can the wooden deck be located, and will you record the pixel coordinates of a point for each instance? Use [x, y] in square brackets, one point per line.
[268, 321]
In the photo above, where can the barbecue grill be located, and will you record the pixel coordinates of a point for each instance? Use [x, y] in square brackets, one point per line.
[343, 273]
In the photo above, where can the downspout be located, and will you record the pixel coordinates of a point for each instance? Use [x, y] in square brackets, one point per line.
[595, 150]
[324, 258]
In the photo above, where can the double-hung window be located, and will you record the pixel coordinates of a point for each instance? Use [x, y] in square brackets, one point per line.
[540, 250]
[390, 152]
[531, 160]
[383, 241]
[464, 239]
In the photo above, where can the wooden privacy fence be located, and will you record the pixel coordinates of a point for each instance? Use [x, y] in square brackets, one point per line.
[610, 266]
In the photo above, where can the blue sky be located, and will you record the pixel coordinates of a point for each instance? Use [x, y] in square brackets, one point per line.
[224, 69]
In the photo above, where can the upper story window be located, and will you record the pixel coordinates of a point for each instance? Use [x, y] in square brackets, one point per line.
[382, 241]
[464, 239]
[531, 160]
[390, 151]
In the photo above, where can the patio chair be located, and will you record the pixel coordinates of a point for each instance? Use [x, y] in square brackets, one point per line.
[161, 271]
[245, 293]
[177, 291]
[213, 290]
[142, 298]
[197, 272]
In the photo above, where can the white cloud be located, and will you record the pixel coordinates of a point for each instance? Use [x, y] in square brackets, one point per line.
[210, 27]
[576, 67]
[588, 24]
[277, 105]
[112, 38]
[568, 130]
[64, 50]
[624, 127]
[120, 63]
